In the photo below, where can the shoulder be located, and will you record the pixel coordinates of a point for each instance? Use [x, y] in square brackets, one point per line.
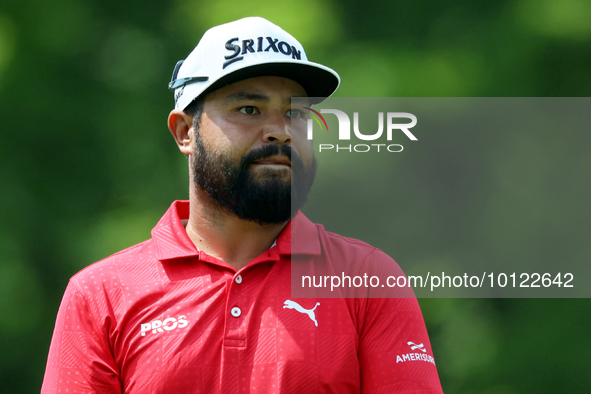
[372, 271]
[132, 265]
[350, 248]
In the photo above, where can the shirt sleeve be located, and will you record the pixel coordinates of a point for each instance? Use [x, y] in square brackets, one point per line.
[80, 359]
[395, 353]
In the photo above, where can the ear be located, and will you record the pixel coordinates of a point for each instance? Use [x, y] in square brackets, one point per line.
[181, 127]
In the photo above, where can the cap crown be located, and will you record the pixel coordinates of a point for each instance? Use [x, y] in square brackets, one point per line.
[242, 49]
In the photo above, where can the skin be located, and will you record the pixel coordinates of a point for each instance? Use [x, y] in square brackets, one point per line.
[236, 119]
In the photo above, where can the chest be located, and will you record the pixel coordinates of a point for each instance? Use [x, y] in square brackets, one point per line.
[218, 331]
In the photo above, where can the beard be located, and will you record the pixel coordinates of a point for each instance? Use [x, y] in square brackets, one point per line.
[232, 187]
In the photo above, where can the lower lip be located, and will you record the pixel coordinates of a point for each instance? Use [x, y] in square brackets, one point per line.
[271, 164]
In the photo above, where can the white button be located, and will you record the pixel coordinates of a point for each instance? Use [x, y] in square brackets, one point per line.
[238, 279]
[236, 312]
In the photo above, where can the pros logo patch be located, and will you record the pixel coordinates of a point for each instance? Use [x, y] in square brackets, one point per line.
[168, 324]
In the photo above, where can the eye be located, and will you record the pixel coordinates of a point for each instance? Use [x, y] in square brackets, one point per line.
[294, 113]
[248, 110]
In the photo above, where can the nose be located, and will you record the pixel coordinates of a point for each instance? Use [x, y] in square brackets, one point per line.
[277, 128]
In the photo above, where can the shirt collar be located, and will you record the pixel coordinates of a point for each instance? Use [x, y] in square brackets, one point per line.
[299, 237]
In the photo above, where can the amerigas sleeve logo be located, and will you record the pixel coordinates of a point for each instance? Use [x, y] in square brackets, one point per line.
[414, 346]
[401, 358]
[167, 324]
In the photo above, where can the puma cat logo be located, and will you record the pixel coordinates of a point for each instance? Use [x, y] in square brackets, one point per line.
[289, 304]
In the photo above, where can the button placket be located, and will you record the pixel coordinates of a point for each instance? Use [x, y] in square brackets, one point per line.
[236, 312]
[234, 333]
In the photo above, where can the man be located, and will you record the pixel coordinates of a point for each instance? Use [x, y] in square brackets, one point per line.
[205, 305]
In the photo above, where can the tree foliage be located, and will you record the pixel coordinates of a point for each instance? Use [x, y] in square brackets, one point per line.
[88, 166]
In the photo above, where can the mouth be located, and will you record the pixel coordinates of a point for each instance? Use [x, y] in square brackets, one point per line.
[275, 161]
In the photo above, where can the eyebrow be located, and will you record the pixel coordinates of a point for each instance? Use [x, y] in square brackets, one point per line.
[243, 95]
[239, 96]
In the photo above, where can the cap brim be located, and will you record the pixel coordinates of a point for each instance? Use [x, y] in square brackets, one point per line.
[318, 81]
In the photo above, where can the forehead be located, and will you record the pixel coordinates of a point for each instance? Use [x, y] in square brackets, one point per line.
[261, 88]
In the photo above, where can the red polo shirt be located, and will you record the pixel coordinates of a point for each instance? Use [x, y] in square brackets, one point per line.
[164, 317]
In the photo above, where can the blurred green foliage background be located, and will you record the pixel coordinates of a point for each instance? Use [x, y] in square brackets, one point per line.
[88, 165]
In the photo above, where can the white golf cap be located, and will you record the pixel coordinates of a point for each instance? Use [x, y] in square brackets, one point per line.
[246, 48]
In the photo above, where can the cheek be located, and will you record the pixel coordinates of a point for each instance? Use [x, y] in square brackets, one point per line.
[305, 149]
[300, 141]
[224, 142]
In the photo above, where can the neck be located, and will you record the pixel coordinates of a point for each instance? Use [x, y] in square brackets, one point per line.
[225, 236]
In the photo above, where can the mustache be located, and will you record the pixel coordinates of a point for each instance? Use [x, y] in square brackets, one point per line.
[268, 151]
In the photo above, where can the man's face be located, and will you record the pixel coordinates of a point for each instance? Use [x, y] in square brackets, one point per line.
[251, 154]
